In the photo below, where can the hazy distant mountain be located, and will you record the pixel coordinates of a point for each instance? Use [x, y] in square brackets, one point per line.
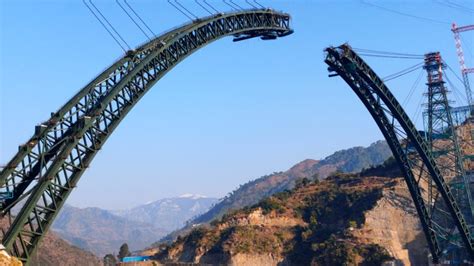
[102, 232]
[349, 160]
[170, 213]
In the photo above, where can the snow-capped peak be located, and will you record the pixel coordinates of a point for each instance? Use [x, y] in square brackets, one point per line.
[192, 196]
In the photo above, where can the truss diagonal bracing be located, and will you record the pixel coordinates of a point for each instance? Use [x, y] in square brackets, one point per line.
[45, 169]
[420, 170]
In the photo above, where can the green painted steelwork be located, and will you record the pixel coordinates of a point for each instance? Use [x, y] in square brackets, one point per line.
[407, 145]
[49, 165]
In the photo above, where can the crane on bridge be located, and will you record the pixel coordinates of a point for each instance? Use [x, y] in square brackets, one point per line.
[464, 69]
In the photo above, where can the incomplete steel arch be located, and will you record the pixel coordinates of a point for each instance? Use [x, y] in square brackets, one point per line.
[45, 169]
[409, 149]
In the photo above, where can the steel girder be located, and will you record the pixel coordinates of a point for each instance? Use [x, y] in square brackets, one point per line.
[407, 145]
[45, 169]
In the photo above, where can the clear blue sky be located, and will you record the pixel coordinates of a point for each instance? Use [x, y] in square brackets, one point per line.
[229, 113]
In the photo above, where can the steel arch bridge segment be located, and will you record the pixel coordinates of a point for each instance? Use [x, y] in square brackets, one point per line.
[394, 123]
[45, 169]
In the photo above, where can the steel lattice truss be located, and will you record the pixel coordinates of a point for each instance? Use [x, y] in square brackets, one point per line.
[45, 169]
[420, 170]
[443, 143]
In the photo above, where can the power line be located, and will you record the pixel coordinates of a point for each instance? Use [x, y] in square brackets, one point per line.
[133, 20]
[105, 27]
[138, 16]
[405, 14]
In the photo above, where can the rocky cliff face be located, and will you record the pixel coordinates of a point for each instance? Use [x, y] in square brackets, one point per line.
[344, 219]
[394, 224]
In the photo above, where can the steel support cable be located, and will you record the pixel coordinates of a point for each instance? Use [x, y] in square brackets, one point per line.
[255, 1]
[203, 7]
[228, 4]
[250, 3]
[461, 6]
[402, 72]
[351, 59]
[103, 25]
[187, 10]
[390, 56]
[237, 5]
[454, 73]
[211, 6]
[448, 4]
[133, 20]
[466, 44]
[365, 95]
[50, 150]
[386, 52]
[59, 122]
[405, 14]
[98, 131]
[413, 88]
[457, 96]
[181, 11]
[455, 89]
[111, 26]
[139, 17]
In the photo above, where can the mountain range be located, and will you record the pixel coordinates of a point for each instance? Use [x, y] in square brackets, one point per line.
[346, 219]
[104, 231]
[349, 161]
[169, 213]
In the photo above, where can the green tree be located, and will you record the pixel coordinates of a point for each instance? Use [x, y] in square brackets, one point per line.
[110, 260]
[124, 251]
[302, 182]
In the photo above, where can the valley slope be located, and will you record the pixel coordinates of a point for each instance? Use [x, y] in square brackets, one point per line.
[350, 160]
[343, 220]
